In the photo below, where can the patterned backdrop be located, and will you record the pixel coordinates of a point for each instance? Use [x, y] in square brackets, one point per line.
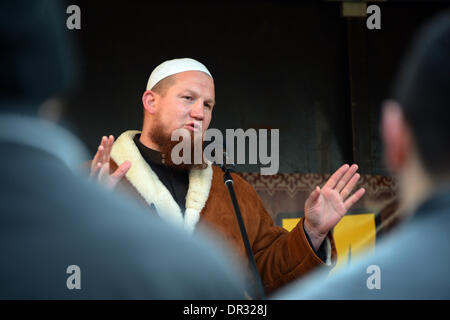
[287, 193]
[284, 196]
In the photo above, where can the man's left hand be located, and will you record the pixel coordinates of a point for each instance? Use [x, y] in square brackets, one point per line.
[325, 207]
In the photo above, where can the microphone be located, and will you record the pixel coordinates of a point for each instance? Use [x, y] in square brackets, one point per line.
[228, 180]
[227, 162]
[223, 160]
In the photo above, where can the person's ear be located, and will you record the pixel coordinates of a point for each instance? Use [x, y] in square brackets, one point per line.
[148, 100]
[396, 137]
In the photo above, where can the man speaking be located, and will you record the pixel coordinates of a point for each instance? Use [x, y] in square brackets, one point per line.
[180, 95]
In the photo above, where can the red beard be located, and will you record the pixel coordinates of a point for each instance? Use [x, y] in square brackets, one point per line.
[166, 145]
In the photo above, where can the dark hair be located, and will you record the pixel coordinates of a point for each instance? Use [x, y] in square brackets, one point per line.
[422, 88]
[37, 56]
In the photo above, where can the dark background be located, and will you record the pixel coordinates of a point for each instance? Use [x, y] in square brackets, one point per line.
[296, 66]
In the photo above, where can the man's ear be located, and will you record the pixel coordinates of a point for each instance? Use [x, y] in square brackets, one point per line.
[148, 100]
[396, 137]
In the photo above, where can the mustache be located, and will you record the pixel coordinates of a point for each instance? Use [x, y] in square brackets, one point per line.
[167, 145]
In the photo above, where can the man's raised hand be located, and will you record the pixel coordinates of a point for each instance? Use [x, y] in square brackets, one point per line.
[100, 165]
[325, 207]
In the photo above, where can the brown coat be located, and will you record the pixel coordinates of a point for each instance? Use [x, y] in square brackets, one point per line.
[281, 256]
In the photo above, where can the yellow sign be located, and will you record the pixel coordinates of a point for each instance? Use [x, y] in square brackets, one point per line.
[353, 235]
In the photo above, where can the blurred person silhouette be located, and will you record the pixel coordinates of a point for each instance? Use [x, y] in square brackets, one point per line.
[413, 261]
[63, 237]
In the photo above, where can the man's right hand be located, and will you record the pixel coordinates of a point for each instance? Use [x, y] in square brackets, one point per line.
[100, 165]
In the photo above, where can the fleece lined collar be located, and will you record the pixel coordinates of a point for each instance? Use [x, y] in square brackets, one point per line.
[148, 185]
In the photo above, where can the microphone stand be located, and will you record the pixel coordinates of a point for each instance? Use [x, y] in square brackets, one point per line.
[259, 291]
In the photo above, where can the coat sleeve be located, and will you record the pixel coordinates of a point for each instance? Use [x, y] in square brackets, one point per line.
[281, 256]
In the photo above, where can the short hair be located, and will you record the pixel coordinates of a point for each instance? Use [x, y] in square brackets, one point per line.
[422, 89]
[161, 88]
[163, 85]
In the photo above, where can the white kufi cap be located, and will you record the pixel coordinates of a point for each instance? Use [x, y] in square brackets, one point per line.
[170, 67]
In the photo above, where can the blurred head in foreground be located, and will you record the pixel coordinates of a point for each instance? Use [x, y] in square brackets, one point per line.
[81, 241]
[416, 123]
[412, 262]
[37, 60]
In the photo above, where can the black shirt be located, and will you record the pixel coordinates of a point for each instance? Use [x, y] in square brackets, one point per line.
[176, 181]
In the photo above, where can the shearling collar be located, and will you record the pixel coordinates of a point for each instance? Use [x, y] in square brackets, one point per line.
[148, 185]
